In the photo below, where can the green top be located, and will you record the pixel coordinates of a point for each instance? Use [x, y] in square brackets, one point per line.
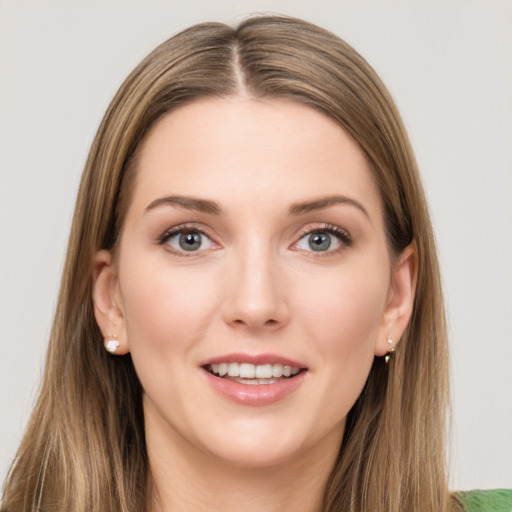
[497, 500]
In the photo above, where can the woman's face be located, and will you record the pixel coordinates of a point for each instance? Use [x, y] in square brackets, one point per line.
[253, 244]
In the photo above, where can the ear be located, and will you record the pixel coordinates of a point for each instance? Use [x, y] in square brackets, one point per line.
[108, 307]
[400, 300]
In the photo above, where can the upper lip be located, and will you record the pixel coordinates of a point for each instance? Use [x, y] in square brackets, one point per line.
[255, 359]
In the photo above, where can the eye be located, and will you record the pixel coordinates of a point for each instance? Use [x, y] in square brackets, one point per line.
[327, 239]
[187, 240]
[320, 241]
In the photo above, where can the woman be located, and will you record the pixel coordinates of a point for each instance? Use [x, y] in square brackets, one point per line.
[250, 314]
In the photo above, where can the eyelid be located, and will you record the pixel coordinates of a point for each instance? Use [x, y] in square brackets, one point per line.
[185, 228]
[343, 236]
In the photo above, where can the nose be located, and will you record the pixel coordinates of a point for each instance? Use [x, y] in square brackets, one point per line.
[256, 292]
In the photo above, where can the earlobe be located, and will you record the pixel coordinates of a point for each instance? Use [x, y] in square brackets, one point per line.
[109, 315]
[400, 302]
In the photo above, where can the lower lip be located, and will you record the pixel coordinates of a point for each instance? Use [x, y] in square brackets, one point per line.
[255, 394]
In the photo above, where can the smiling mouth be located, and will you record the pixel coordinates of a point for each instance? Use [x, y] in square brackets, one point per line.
[246, 373]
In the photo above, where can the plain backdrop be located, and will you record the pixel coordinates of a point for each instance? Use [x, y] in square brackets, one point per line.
[447, 63]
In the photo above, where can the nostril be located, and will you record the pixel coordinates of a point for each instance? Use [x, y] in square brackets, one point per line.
[269, 323]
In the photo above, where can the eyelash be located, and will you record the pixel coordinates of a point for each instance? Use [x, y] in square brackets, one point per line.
[182, 229]
[341, 234]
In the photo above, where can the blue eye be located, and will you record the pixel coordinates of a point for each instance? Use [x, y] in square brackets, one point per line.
[323, 240]
[188, 241]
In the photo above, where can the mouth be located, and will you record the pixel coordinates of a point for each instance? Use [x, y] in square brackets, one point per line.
[254, 380]
[253, 374]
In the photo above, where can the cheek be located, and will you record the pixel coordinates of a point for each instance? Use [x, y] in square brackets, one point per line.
[340, 317]
[165, 308]
[345, 318]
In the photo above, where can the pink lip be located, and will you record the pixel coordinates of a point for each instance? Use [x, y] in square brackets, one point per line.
[255, 395]
[254, 359]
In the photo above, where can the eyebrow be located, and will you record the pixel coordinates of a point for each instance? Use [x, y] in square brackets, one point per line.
[189, 203]
[212, 208]
[324, 202]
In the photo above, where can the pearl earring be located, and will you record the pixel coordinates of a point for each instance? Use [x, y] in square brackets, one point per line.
[111, 344]
[391, 349]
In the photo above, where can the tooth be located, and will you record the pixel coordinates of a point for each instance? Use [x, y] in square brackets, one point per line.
[267, 381]
[256, 382]
[247, 371]
[233, 369]
[277, 370]
[264, 371]
[251, 382]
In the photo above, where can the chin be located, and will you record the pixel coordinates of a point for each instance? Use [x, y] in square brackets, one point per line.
[256, 454]
[253, 444]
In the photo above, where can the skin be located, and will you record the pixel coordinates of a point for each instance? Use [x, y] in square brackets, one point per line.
[254, 287]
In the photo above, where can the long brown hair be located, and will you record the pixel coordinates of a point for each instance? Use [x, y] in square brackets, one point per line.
[84, 448]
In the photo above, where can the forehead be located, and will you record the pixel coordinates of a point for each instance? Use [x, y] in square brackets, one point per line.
[240, 150]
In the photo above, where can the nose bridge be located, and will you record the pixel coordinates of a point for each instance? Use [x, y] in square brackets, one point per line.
[256, 294]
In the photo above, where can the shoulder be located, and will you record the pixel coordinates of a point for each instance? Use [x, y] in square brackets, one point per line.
[496, 500]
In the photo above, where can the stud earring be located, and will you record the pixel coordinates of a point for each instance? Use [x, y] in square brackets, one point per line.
[111, 344]
[391, 349]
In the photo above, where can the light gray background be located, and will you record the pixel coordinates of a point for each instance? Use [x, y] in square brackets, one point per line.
[447, 63]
